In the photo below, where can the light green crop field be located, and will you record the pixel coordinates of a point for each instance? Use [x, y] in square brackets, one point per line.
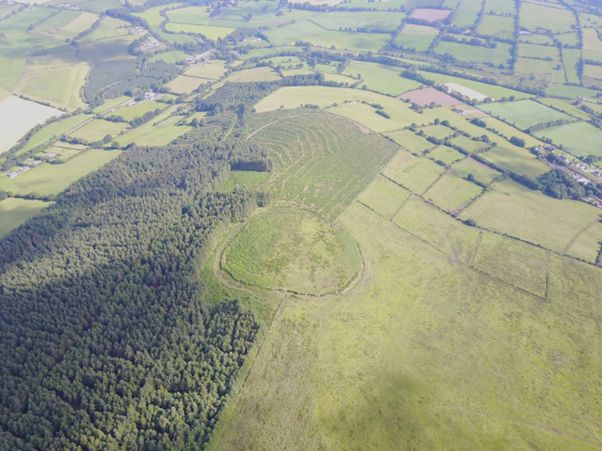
[292, 250]
[452, 193]
[380, 78]
[54, 178]
[153, 133]
[524, 113]
[538, 51]
[473, 53]
[384, 196]
[169, 57]
[410, 141]
[497, 26]
[532, 216]
[565, 106]
[323, 160]
[414, 173]
[97, 129]
[467, 13]
[482, 173]
[249, 179]
[136, 110]
[14, 212]
[579, 138]
[516, 160]
[557, 19]
[444, 154]
[417, 37]
[310, 32]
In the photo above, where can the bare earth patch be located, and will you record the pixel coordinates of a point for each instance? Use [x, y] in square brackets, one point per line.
[426, 96]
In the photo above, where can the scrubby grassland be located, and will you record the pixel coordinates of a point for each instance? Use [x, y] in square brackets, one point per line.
[14, 212]
[292, 250]
[322, 160]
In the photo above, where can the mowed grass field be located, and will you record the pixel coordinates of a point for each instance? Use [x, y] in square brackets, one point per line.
[14, 212]
[380, 78]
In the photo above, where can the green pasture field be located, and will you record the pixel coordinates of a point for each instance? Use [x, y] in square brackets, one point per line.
[530, 215]
[557, 19]
[410, 141]
[523, 114]
[159, 131]
[516, 160]
[109, 29]
[444, 154]
[137, 110]
[340, 78]
[477, 54]
[467, 144]
[570, 92]
[306, 30]
[568, 38]
[183, 84]
[97, 129]
[14, 212]
[54, 178]
[592, 45]
[212, 69]
[384, 196]
[497, 26]
[249, 179]
[379, 21]
[254, 74]
[210, 32]
[380, 78]
[579, 138]
[467, 13]
[535, 38]
[58, 85]
[499, 7]
[110, 104]
[495, 92]
[366, 115]
[62, 151]
[451, 193]
[417, 37]
[593, 71]
[414, 173]
[54, 130]
[565, 106]
[481, 172]
[583, 246]
[169, 57]
[154, 19]
[524, 266]
[570, 60]
[437, 131]
[538, 51]
[321, 161]
[278, 250]
[540, 69]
